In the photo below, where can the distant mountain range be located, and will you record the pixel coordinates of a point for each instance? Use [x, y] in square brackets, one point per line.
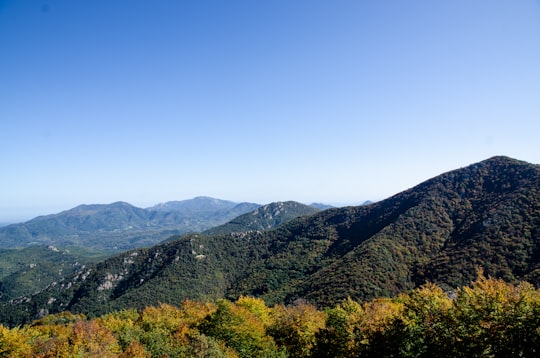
[442, 230]
[26, 271]
[121, 226]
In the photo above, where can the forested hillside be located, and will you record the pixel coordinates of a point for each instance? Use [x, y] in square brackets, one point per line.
[489, 318]
[30, 270]
[485, 215]
[265, 217]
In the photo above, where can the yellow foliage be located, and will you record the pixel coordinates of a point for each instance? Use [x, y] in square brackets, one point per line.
[115, 321]
[15, 342]
[257, 307]
[380, 313]
[193, 312]
[425, 305]
[295, 327]
[496, 294]
[163, 316]
[489, 318]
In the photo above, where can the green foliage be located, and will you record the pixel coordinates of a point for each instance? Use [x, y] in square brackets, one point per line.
[498, 319]
[338, 338]
[264, 218]
[30, 270]
[239, 329]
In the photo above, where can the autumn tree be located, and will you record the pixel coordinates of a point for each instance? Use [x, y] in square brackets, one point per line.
[494, 318]
[239, 329]
[295, 327]
[338, 337]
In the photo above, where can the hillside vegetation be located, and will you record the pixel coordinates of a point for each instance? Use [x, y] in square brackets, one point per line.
[490, 318]
[484, 215]
[264, 218]
[29, 270]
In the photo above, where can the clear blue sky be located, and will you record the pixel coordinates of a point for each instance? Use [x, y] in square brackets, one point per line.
[329, 101]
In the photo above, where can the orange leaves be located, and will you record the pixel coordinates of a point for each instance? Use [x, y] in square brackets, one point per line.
[135, 350]
[90, 339]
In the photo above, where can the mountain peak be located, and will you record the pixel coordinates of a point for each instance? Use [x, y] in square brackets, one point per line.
[198, 203]
[265, 217]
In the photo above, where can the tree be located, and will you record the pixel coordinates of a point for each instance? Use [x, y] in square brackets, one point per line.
[338, 337]
[239, 329]
[295, 327]
[90, 339]
[15, 342]
[496, 318]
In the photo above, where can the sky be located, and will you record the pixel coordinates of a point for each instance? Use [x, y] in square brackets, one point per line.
[309, 100]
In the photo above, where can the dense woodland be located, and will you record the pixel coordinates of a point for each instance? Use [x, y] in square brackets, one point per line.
[29, 270]
[489, 318]
[264, 218]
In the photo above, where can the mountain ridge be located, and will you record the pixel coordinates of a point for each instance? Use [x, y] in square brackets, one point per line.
[120, 225]
[204, 203]
[486, 214]
[42, 269]
[264, 217]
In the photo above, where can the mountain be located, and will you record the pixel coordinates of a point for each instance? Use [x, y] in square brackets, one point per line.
[30, 270]
[204, 212]
[199, 204]
[321, 206]
[121, 226]
[484, 215]
[264, 218]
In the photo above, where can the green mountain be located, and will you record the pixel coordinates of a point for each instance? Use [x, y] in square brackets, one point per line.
[121, 226]
[30, 270]
[264, 218]
[485, 215]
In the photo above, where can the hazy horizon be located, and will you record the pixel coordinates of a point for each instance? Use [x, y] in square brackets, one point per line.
[29, 213]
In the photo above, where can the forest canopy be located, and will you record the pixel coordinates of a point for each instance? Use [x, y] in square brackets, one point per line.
[489, 318]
